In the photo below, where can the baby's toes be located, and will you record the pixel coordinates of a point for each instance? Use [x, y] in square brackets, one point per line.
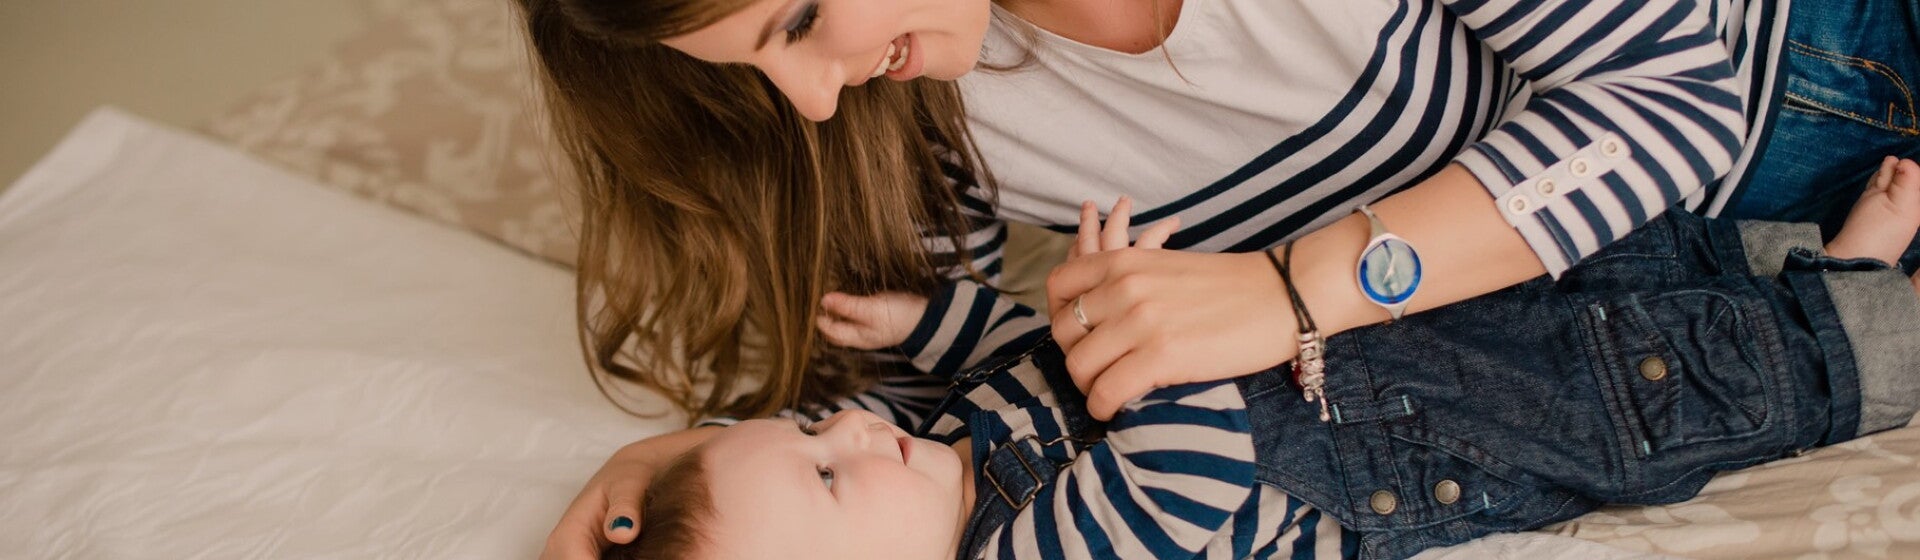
[1904, 188]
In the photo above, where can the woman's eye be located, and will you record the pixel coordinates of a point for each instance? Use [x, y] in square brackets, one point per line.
[826, 477]
[802, 23]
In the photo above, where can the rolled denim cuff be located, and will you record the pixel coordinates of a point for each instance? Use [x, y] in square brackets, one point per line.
[1878, 313]
[1767, 244]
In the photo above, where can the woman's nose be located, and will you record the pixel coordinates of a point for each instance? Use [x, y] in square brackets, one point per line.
[812, 90]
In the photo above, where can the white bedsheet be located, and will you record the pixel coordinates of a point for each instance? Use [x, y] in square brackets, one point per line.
[202, 356]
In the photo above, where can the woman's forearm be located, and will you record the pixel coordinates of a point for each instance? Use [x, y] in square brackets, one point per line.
[1466, 249]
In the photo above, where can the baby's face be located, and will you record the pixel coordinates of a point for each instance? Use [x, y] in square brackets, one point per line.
[852, 486]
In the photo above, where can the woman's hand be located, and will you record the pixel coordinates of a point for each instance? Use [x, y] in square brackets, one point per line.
[881, 320]
[594, 520]
[1162, 317]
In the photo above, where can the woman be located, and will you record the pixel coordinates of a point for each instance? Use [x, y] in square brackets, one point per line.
[1500, 139]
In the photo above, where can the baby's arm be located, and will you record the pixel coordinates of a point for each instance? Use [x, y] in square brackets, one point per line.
[1174, 468]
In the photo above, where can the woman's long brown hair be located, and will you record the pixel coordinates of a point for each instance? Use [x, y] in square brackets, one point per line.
[715, 216]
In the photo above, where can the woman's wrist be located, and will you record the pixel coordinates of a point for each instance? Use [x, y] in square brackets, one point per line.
[1466, 250]
[1323, 263]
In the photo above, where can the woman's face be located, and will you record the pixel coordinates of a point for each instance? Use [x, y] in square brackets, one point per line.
[812, 48]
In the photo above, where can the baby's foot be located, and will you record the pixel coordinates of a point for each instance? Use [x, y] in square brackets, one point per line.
[1883, 222]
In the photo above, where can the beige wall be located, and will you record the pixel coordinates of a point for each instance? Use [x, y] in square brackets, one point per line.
[177, 61]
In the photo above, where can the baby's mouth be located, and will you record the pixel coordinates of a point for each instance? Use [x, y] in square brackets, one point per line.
[906, 448]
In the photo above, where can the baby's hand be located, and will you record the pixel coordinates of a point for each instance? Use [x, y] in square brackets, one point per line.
[881, 320]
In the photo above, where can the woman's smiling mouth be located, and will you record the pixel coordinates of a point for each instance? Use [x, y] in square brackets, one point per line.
[896, 57]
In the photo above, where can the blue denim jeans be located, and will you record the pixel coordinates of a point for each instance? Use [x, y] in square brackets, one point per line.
[1689, 347]
[1850, 97]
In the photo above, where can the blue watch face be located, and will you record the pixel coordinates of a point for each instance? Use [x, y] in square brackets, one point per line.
[1389, 272]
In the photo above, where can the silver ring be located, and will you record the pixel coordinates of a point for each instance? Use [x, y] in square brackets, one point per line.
[1080, 314]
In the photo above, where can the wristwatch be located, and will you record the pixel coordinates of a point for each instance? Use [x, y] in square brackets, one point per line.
[1389, 269]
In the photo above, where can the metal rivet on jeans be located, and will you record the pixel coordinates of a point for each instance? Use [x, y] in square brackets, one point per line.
[1447, 492]
[1653, 368]
[1384, 502]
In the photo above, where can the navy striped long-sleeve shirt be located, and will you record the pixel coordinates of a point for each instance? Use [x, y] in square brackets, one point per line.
[1583, 118]
[1172, 477]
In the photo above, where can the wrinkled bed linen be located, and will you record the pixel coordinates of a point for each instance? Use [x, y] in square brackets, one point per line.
[202, 356]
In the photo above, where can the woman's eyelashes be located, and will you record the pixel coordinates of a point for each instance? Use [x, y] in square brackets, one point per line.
[802, 22]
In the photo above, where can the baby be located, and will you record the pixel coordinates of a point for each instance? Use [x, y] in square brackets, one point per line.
[1689, 347]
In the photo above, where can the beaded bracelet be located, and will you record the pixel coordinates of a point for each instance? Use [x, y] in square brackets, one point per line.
[1310, 367]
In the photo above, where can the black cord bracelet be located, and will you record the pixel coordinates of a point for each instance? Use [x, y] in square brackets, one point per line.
[1300, 314]
[1310, 366]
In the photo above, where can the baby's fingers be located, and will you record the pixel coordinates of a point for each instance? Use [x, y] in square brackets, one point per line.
[842, 333]
[1087, 241]
[846, 305]
[1115, 235]
[1157, 236]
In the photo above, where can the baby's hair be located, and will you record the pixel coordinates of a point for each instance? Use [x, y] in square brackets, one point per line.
[673, 515]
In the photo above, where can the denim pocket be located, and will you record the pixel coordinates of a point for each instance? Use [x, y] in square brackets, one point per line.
[1851, 87]
[1687, 366]
[1399, 474]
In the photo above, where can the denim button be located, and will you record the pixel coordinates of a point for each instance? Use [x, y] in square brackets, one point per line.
[1384, 502]
[1447, 492]
[1653, 368]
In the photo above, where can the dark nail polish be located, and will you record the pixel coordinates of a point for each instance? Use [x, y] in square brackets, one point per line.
[622, 522]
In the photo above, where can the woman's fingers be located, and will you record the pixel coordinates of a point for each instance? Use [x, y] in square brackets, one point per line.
[580, 535]
[1155, 237]
[1075, 277]
[623, 510]
[1114, 236]
[1068, 328]
[1125, 381]
[1098, 350]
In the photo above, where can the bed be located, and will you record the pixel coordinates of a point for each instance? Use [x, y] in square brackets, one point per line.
[337, 322]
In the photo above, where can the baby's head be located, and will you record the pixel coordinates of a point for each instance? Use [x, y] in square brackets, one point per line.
[852, 486]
